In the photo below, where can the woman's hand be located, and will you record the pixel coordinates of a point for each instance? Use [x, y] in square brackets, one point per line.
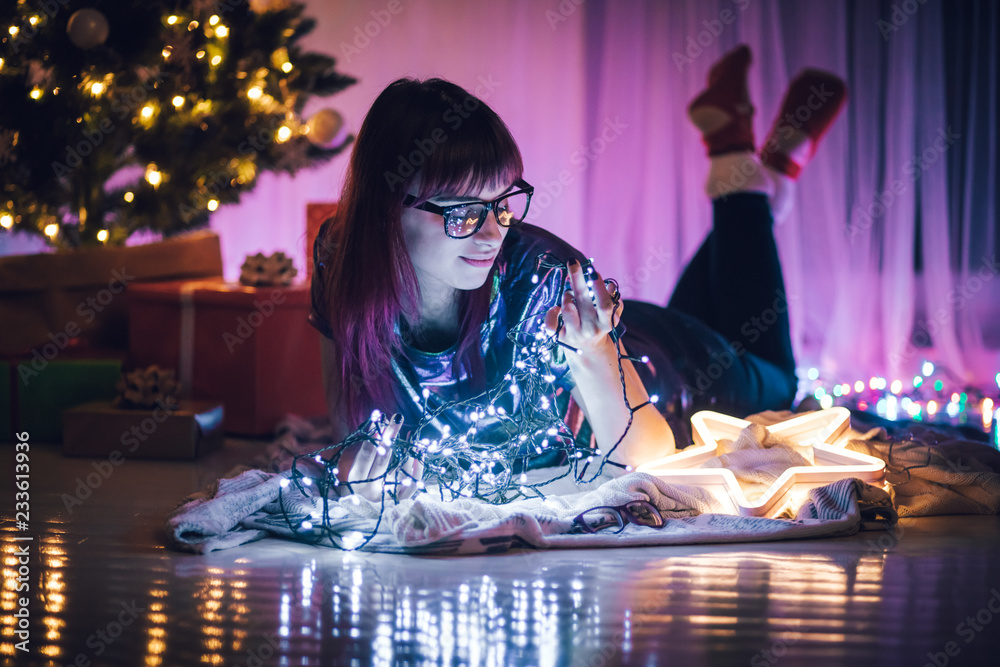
[586, 321]
[372, 461]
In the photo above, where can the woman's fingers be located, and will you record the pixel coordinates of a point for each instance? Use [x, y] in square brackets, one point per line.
[411, 473]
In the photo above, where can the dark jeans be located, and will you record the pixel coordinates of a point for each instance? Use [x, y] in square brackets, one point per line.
[723, 341]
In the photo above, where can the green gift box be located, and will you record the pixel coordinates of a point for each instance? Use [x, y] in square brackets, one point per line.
[43, 391]
[184, 431]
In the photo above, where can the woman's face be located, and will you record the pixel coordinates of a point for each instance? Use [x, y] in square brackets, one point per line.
[442, 262]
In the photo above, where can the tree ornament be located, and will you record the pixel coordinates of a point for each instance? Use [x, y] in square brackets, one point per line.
[87, 28]
[324, 126]
[263, 6]
[267, 270]
[146, 388]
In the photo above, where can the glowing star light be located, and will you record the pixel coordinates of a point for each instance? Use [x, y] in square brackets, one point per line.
[818, 429]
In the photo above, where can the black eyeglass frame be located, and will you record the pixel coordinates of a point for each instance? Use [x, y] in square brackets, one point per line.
[443, 211]
[625, 517]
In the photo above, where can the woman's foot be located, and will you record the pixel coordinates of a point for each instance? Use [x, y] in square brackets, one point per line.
[723, 111]
[813, 101]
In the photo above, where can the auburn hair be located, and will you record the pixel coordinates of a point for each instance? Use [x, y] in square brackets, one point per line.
[437, 134]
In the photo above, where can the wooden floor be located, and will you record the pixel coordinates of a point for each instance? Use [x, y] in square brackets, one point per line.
[104, 590]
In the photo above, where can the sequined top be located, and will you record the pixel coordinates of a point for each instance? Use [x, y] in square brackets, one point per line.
[524, 289]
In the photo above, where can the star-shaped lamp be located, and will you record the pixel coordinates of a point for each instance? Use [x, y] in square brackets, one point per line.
[816, 429]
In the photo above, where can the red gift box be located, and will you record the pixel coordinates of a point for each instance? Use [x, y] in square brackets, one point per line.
[316, 214]
[250, 347]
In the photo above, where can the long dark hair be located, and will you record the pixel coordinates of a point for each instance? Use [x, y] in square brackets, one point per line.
[456, 144]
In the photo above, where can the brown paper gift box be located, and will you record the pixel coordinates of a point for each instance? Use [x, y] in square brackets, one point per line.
[100, 429]
[250, 347]
[51, 298]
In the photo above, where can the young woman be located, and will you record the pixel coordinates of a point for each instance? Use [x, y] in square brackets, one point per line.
[427, 266]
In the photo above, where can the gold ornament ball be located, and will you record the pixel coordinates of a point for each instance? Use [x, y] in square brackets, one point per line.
[87, 28]
[324, 126]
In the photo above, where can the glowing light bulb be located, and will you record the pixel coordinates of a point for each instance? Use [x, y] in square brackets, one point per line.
[97, 88]
[932, 407]
[307, 525]
[153, 176]
[255, 92]
[813, 373]
[102, 235]
[283, 483]
[146, 112]
[927, 368]
[35, 93]
[51, 230]
[859, 386]
[896, 387]
[178, 101]
[284, 132]
[216, 60]
[199, 55]
[6, 221]
[172, 20]
[13, 30]
[286, 67]
[222, 31]
[213, 20]
[213, 204]
[129, 196]
[655, 398]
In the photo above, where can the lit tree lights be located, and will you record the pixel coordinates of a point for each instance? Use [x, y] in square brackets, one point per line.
[132, 115]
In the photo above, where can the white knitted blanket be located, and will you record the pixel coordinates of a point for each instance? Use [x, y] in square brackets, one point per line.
[254, 505]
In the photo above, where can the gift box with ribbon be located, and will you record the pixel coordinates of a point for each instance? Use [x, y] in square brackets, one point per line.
[146, 420]
[250, 347]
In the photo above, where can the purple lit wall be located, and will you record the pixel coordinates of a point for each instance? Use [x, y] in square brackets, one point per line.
[595, 94]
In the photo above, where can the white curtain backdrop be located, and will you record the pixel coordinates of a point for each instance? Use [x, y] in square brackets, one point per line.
[595, 94]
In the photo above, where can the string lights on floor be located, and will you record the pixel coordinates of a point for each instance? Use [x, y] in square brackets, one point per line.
[474, 463]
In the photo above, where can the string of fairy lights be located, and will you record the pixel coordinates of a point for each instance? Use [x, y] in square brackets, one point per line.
[157, 93]
[936, 395]
[460, 465]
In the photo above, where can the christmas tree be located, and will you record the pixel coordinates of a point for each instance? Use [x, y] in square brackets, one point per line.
[123, 115]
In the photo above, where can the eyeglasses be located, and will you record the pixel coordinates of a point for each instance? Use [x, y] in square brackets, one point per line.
[463, 220]
[639, 512]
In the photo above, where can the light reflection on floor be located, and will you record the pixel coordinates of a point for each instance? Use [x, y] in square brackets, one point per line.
[105, 590]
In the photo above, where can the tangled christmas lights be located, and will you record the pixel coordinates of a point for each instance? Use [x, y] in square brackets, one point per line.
[523, 420]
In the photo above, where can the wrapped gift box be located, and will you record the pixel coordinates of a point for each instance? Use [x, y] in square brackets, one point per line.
[40, 389]
[316, 214]
[250, 347]
[185, 432]
[49, 299]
